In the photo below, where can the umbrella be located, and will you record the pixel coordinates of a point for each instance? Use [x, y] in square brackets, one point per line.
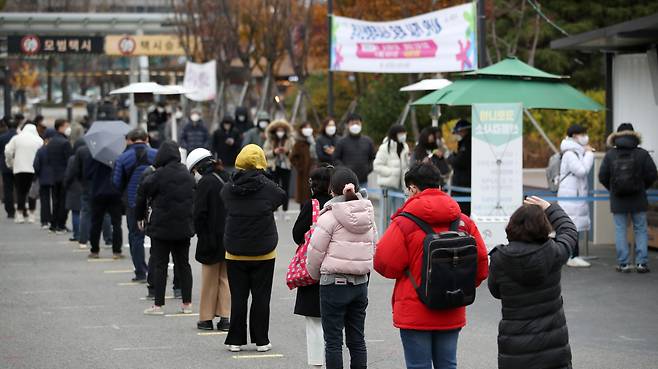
[107, 140]
[142, 88]
[511, 81]
[427, 85]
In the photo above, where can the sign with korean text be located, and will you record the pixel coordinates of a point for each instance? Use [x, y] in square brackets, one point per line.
[143, 45]
[34, 44]
[440, 41]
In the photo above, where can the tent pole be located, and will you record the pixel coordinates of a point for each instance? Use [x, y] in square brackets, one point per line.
[541, 131]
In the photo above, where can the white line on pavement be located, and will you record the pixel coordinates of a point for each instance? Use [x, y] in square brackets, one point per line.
[180, 314]
[212, 333]
[142, 348]
[266, 356]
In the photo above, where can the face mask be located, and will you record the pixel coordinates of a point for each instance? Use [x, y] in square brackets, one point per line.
[241, 118]
[178, 115]
[330, 130]
[307, 132]
[197, 176]
[262, 124]
[67, 131]
[227, 127]
[583, 140]
[402, 138]
[195, 117]
[280, 134]
[160, 109]
[355, 129]
[457, 137]
[439, 143]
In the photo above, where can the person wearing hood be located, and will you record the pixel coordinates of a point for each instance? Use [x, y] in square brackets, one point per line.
[7, 173]
[257, 135]
[428, 336]
[58, 152]
[525, 275]
[155, 123]
[209, 221]
[170, 193]
[194, 134]
[250, 239]
[242, 121]
[278, 147]
[577, 162]
[303, 158]
[226, 143]
[355, 151]
[326, 141]
[460, 161]
[20, 152]
[627, 171]
[340, 257]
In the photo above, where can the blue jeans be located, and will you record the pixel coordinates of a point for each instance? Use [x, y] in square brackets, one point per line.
[344, 306]
[641, 237]
[422, 348]
[75, 222]
[136, 241]
[85, 221]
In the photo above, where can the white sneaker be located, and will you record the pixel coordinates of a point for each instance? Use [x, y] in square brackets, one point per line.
[82, 246]
[578, 262]
[185, 309]
[31, 218]
[19, 219]
[45, 227]
[154, 310]
[265, 348]
[234, 348]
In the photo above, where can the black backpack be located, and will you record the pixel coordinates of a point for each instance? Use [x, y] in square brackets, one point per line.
[624, 179]
[449, 267]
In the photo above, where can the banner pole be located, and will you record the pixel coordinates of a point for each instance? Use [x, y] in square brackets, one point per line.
[482, 34]
[330, 76]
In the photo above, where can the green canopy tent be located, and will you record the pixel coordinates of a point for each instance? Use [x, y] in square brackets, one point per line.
[512, 81]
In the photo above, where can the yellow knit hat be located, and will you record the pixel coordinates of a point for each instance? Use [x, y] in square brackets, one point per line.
[251, 157]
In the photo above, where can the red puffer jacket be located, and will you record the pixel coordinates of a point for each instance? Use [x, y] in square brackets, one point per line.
[401, 247]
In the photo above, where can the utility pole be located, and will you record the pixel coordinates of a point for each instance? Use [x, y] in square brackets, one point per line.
[330, 76]
[7, 89]
[482, 35]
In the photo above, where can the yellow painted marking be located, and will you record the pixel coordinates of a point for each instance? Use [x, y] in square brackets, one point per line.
[166, 297]
[101, 260]
[181, 314]
[211, 333]
[265, 356]
[117, 271]
[130, 284]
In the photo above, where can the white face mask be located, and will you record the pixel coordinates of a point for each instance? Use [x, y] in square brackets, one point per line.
[307, 132]
[160, 109]
[355, 129]
[457, 137]
[197, 177]
[67, 131]
[280, 134]
[178, 115]
[330, 130]
[227, 127]
[195, 117]
[402, 138]
[262, 124]
[439, 143]
[241, 118]
[583, 140]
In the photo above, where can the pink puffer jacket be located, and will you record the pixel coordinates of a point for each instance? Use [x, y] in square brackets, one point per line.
[344, 239]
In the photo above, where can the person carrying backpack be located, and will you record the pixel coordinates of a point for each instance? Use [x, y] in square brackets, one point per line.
[429, 334]
[627, 171]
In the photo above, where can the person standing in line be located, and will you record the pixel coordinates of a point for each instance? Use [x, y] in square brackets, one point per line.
[326, 142]
[356, 151]
[428, 336]
[303, 158]
[460, 161]
[278, 147]
[250, 239]
[73, 203]
[7, 172]
[525, 275]
[226, 143]
[41, 127]
[126, 174]
[392, 162]
[20, 152]
[256, 135]
[340, 258]
[577, 162]
[195, 134]
[44, 172]
[307, 302]
[209, 221]
[58, 152]
[627, 171]
[242, 121]
[170, 192]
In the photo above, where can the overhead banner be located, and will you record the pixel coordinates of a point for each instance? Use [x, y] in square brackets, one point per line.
[496, 160]
[34, 44]
[143, 45]
[202, 79]
[440, 41]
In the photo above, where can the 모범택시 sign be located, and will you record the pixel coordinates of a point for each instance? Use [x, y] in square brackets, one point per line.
[34, 44]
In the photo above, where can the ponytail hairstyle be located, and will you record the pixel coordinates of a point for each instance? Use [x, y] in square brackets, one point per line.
[345, 182]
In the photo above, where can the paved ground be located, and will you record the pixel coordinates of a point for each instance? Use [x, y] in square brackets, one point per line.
[57, 310]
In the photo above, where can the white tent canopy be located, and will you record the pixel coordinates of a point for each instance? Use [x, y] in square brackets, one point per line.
[427, 85]
[150, 88]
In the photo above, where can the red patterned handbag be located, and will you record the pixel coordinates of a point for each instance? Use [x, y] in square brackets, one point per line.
[297, 275]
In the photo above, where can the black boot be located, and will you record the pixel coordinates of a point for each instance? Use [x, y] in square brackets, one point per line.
[205, 325]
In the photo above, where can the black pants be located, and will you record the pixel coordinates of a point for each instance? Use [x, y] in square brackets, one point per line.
[283, 179]
[8, 193]
[245, 277]
[99, 206]
[22, 181]
[44, 198]
[150, 282]
[180, 250]
[58, 220]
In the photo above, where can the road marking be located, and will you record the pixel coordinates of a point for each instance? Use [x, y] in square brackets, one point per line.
[256, 356]
[212, 333]
[101, 260]
[374, 340]
[131, 284]
[142, 348]
[166, 298]
[117, 271]
[181, 314]
[632, 339]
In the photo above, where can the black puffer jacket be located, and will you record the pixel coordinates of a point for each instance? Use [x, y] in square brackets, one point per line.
[169, 191]
[250, 203]
[209, 218]
[626, 143]
[526, 277]
[356, 153]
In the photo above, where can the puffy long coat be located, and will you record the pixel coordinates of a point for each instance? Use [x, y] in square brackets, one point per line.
[401, 248]
[389, 166]
[225, 152]
[575, 167]
[303, 159]
[526, 278]
[210, 218]
[272, 142]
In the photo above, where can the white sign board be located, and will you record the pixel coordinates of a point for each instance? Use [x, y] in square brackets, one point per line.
[202, 79]
[440, 41]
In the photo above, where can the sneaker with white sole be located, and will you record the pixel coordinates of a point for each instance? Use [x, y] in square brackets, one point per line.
[82, 246]
[154, 310]
[624, 268]
[31, 218]
[578, 262]
[642, 268]
[264, 348]
[19, 218]
[185, 309]
[234, 348]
